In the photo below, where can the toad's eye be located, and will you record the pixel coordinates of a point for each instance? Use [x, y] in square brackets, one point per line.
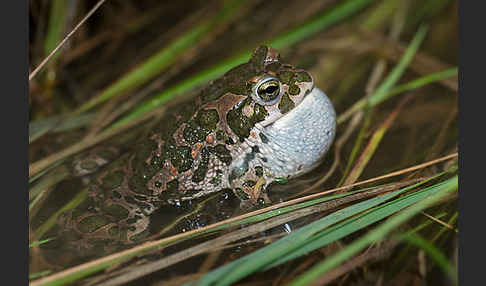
[267, 91]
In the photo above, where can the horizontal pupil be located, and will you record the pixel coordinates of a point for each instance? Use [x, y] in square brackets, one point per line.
[271, 89]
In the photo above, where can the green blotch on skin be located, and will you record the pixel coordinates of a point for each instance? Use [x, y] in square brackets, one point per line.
[202, 168]
[259, 171]
[241, 194]
[223, 154]
[240, 124]
[216, 181]
[157, 161]
[208, 118]
[286, 104]
[112, 180]
[220, 136]
[92, 223]
[236, 79]
[239, 87]
[205, 122]
[282, 180]
[260, 114]
[303, 77]
[157, 204]
[294, 89]
[143, 171]
[147, 171]
[117, 211]
[180, 157]
[286, 77]
[194, 133]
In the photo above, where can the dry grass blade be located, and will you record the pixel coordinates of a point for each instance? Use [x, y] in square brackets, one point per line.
[354, 50]
[184, 44]
[43, 63]
[140, 271]
[376, 75]
[44, 163]
[422, 63]
[431, 196]
[373, 144]
[440, 222]
[99, 264]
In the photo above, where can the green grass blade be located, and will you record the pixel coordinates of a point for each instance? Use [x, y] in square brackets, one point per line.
[39, 242]
[148, 69]
[43, 172]
[381, 93]
[380, 15]
[352, 225]
[240, 268]
[78, 199]
[58, 13]
[411, 85]
[57, 124]
[63, 279]
[162, 59]
[376, 235]
[342, 11]
[442, 230]
[429, 9]
[284, 210]
[414, 84]
[371, 148]
[319, 24]
[399, 69]
[432, 251]
[46, 182]
[358, 143]
[39, 274]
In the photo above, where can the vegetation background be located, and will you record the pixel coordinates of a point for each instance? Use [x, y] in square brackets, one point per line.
[380, 210]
